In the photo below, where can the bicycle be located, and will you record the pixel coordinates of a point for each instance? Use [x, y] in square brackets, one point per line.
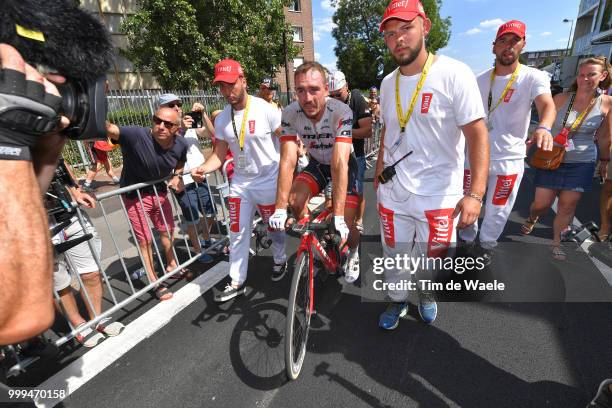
[317, 248]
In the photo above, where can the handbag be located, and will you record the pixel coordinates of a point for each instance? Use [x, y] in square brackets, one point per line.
[551, 160]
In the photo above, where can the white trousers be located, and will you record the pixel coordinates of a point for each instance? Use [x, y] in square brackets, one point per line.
[502, 189]
[244, 199]
[419, 226]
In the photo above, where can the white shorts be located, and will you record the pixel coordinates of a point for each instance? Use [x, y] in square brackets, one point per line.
[78, 258]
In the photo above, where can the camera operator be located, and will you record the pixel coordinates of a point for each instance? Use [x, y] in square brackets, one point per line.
[30, 144]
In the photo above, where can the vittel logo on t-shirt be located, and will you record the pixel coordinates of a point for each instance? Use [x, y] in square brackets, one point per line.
[508, 95]
[252, 126]
[503, 189]
[440, 231]
[426, 102]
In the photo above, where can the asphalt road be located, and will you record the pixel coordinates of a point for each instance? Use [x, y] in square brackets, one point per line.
[476, 354]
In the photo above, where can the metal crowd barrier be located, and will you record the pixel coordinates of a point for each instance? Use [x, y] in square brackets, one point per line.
[112, 221]
[372, 144]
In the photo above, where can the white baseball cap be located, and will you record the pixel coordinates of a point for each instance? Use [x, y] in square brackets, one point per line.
[337, 80]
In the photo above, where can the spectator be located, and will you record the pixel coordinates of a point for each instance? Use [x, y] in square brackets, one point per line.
[194, 197]
[374, 103]
[606, 204]
[362, 129]
[582, 115]
[100, 151]
[151, 154]
[64, 188]
[267, 92]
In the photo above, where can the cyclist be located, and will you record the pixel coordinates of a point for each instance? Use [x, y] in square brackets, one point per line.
[324, 125]
[249, 127]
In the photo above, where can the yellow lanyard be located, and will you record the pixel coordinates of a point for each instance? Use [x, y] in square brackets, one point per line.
[580, 117]
[506, 89]
[244, 122]
[404, 119]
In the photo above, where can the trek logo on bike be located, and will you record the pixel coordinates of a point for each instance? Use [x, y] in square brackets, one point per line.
[503, 188]
[234, 213]
[386, 219]
[440, 231]
[467, 181]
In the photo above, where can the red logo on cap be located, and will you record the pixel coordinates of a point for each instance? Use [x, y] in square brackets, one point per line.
[509, 95]
[252, 126]
[426, 102]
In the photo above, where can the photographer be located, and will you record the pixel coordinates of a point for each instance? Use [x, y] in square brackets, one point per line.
[29, 148]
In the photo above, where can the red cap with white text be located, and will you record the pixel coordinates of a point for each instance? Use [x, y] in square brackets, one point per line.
[406, 10]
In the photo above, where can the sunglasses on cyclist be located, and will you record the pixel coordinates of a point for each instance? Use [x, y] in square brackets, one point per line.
[336, 95]
[173, 104]
[167, 123]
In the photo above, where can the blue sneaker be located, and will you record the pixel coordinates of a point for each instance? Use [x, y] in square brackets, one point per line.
[206, 259]
[389, 319]
[428, 309]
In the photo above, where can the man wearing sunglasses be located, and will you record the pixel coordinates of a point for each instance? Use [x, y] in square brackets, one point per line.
[248, 126]
[362, 129]
[151, 154]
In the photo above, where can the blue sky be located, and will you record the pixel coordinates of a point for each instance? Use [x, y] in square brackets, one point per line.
[474, 24]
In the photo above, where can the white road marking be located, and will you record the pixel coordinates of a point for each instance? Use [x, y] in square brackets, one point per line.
[79, 372]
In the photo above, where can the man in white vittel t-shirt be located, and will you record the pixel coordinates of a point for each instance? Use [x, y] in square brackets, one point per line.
[508, 90]
[422, 204]
[249, 127]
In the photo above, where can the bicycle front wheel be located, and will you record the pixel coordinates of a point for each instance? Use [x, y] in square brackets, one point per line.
[298, 317]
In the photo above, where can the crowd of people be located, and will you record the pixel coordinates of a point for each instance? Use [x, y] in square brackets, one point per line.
[451, 143]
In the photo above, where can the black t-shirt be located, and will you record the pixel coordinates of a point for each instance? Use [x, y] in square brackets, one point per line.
[144, 159]
[361, 110]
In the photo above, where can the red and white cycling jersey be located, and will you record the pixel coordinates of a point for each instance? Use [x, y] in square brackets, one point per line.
[336, 125]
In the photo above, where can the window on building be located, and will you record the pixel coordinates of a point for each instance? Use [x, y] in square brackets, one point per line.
[295, 6]
[298, 34]
[297, 62]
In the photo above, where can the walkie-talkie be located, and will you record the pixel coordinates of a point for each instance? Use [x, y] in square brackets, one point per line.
[389, 172]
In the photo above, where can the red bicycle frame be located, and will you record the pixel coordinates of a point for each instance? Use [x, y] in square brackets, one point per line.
[311, 244]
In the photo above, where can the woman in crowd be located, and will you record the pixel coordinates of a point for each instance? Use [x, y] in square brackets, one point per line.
[583, 113]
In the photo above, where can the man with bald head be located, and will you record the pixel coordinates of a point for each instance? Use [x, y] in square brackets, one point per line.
[151, 154]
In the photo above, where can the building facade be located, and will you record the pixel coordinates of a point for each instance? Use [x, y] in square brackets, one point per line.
[299, 15]
[543, 57]
[125, 76]
[592, 35]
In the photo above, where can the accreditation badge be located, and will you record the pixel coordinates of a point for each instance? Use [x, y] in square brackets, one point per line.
[242, 161]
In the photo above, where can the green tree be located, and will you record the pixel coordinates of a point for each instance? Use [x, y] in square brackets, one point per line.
[180, 41]
[360, 48]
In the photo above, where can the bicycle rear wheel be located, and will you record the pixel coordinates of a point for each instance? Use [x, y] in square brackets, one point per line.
[298, 318]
